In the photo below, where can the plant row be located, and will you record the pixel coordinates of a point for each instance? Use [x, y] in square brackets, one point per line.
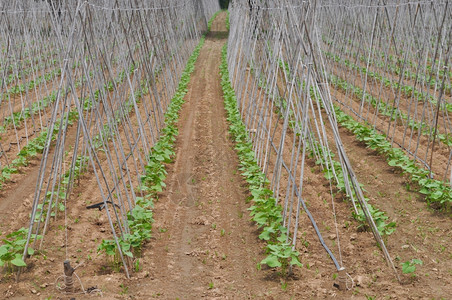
[228, 24]
[393, 62]
[27, 63]
[380, 218]
[265, 211]
[209, 24]
[36, 145]
[390, 111]
[18, 117]
[13, 245]
[332, 169]
[25, 72]
[22, 87]
[140, 218]
[407, 90]
[436, 192]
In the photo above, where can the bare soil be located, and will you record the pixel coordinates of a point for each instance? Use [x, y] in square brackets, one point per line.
[204, 244]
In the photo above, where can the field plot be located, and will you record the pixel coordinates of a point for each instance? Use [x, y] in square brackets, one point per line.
[277, 150]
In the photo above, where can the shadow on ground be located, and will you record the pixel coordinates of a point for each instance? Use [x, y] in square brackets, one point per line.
[217, 35]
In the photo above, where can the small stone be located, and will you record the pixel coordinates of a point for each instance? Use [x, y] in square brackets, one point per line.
[332, 236]
[359, 280]
[405, 246]
[33, 291]
[44, 285]
[102, 229]
[350, 249]
[353, 237]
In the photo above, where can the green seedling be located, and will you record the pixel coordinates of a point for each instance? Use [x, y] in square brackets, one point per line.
[140, 218]
[264, 211]
[409, 267]
[12, 249]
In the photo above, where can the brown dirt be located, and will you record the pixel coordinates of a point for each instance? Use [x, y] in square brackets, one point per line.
[361, 257]
[441, 154]
[408, 139]
[204, 245]
[421, 232]
[21, 188]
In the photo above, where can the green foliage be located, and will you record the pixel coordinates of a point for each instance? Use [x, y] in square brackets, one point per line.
[436, 192]
[409, 267]
[389, 110]
[140, 218]
[37, 145]
[380, 218]
[224, 4]
[140, 221]
[265, 211]
[162, 152]
[209, 24]
[325, 159]
[44, 207]
[32, 149]
[12, 249]
[109, 247]
[281, 255]
[394, 67]
[20, 88]
[228, 24]
[140, 224]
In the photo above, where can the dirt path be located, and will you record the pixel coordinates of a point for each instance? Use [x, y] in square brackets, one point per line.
[205, 244]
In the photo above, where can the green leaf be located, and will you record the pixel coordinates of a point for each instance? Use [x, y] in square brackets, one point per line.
[282, 238]
[436, 195]
[271, 261]
[18, 261]
[266, 233]
[3, 250]
[296, 262]
[407, 268]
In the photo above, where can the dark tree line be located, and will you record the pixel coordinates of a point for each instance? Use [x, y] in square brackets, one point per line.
[224, 4]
